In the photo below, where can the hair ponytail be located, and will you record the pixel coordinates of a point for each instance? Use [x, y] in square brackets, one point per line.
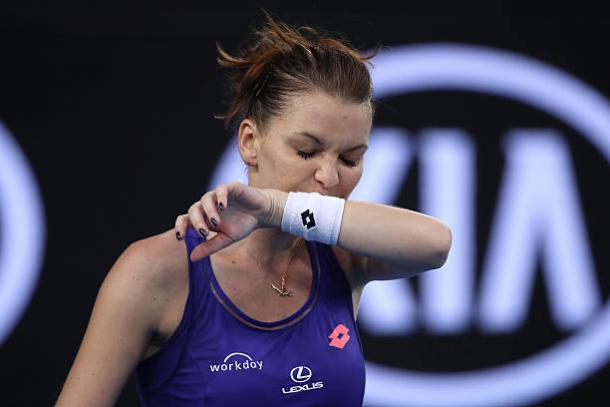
[282, 61]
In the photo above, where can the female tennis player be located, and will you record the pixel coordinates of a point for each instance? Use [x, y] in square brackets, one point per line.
[252, 298]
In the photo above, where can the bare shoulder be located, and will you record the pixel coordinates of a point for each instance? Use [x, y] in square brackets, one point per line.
[148, 278]
[157, 262]
[129, 309]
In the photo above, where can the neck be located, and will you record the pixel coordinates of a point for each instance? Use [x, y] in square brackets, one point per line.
[268, 245]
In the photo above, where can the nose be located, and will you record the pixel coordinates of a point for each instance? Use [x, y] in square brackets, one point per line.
[327, 174]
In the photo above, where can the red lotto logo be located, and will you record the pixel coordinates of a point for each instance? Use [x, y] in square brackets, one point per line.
[339, 336]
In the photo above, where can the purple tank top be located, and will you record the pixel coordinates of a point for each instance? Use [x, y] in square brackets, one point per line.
[219, 356]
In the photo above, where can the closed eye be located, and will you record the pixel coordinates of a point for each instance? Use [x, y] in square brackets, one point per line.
[349, 163]
[307, 156]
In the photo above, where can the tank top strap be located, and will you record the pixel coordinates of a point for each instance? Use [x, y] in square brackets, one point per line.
[333, 276]
[200, 294]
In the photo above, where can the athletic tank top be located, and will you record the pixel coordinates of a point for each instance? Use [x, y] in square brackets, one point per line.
[219, 356]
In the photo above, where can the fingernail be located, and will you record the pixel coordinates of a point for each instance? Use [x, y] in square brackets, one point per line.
[202, 232]
[178, 236]
[214, 223]
[221, 206]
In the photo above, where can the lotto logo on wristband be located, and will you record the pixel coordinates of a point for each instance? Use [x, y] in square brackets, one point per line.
[308, 220]
[315, 217]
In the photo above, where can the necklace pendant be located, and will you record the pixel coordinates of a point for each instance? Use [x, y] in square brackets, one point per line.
[282, 292]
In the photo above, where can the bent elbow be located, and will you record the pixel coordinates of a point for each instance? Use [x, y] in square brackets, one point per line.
[443, 246]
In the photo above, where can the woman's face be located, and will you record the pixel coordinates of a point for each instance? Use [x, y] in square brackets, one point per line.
[316, 145]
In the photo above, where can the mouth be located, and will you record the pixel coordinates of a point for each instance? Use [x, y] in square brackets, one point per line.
[328, 194]
[320, 192]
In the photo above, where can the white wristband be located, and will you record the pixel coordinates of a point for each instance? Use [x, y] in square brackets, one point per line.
[313, 216]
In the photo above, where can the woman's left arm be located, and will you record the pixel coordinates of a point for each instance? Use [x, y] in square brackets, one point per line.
[386, 242]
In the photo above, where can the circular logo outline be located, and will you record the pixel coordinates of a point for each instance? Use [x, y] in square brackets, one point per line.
[299, 373]
[22, 233]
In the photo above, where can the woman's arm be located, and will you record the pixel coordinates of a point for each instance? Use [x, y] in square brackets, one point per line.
[386, 242]
[126, 313]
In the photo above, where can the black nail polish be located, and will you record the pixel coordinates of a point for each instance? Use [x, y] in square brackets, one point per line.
[202, 232]
[221, 206]
[178, 237]
[214, 223]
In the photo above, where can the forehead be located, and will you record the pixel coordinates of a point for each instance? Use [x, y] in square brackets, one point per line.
[324, 115]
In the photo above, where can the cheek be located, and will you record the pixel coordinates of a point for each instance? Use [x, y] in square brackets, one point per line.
[291, 168]
[278, 162]
[350, 178]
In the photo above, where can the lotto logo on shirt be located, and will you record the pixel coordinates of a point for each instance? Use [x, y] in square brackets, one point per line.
[237, 361]
[339, 336]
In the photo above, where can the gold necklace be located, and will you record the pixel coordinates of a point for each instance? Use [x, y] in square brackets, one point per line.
[282, 292]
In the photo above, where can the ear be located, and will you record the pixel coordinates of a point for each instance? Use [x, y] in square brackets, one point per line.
[248, 139]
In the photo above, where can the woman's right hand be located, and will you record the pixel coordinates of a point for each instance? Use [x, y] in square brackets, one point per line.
[232, 211]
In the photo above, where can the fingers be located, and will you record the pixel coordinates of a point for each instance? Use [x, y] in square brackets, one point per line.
[222, 197]
[199, 219]
[210, 208]
[209, 247]
[205, 215]
[182, 224]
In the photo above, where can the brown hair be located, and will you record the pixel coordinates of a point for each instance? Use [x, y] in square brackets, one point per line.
[282, 61]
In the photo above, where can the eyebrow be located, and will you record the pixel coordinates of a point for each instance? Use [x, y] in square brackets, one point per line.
[319, 142]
